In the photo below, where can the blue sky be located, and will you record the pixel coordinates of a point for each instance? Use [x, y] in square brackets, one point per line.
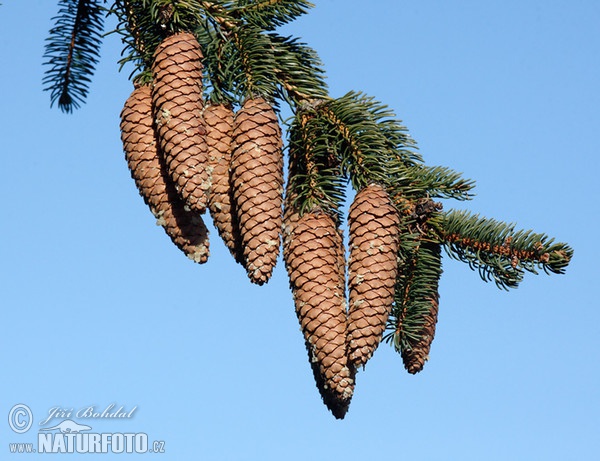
[99, 308]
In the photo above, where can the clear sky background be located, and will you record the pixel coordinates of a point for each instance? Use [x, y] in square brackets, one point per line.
[98, 307]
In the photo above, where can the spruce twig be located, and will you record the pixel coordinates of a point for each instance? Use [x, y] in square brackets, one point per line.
[72, 52]
[497, 251]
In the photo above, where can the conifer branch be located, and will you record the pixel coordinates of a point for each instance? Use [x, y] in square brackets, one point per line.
[220, 74]
[297, 67]
[257, 63]
[402, 148]
[239, 61]
[315, 179]
[72, 52]
[499, 252]
[362, 146]
[421, 181]
[133, 26]
[269, 14]
[174, 16]
[299, 71]
[221, 13]
[140, 34]
[443, 182]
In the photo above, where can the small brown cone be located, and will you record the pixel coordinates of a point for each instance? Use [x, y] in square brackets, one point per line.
[218, 119]
[185, 228]
[313, 247]
[414, 358]
[257, 185]
[421, 316]
[372, 269]
[177, 100]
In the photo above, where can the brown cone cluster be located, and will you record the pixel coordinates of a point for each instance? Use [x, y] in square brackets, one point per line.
[177, 102]
[257, 185]
[372, 269]
[185, 158]
[185, 228]
[218, 119]
[313, 251]
[213, 158]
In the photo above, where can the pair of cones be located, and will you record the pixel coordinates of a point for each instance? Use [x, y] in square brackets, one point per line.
[340, 339]
[186, 157]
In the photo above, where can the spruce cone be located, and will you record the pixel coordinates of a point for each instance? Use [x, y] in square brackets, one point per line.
[177, 99]
[185, 228]
[372, 270]
[257, 185]
[219, 129]
[414, 358]
[422, 315]
[312, 255]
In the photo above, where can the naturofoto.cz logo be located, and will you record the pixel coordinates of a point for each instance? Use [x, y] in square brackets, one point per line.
[70, 436]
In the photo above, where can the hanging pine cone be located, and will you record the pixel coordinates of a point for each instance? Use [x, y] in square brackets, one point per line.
[185, 228]
[218, 120]
[421, 315]
[313, 252]
[177, 99]
[257, 185]
[372, 269]
[414, 358]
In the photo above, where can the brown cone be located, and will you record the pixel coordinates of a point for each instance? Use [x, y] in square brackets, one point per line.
[177, 99]
[372, 270]
[422, 316]
[313, 248]
[218, 120]
[185, 228]
[257, 185]
[414, 358]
